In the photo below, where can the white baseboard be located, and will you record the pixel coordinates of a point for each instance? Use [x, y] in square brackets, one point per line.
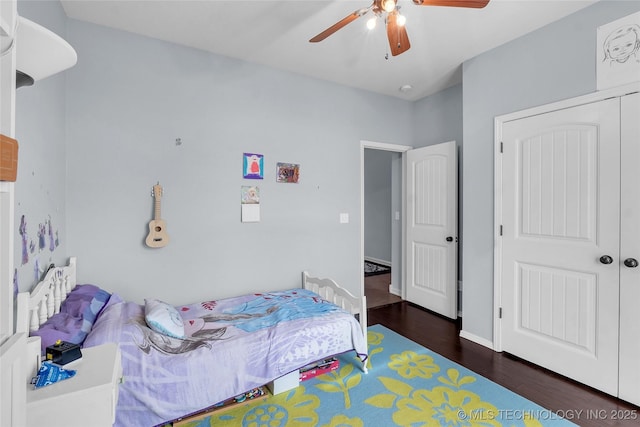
[395, 290]
[378, 261]
[476, 339]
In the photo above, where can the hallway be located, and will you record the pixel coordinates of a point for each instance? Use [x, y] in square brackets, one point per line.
[376, 288]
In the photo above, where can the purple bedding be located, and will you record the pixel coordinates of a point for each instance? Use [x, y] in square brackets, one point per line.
[231, 346]
[77, 315]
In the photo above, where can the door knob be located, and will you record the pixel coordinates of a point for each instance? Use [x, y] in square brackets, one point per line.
[631, 262]
[449, 239]
[606, 259]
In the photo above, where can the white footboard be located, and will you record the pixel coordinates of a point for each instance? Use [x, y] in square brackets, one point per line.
[332, 292]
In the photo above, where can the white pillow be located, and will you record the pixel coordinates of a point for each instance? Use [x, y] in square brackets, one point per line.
[163, 318]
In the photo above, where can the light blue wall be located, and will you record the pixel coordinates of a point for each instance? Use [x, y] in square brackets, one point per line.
[551, 64]
[438, 118]
[40, 195]
[132, 96]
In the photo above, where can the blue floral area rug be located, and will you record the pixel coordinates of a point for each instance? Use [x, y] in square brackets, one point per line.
[407, 385]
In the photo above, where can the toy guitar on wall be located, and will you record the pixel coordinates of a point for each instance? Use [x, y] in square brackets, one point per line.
[157, 237]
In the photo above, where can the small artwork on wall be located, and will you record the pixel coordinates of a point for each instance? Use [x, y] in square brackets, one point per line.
[36, 270]
[47, 238]
[287, 172]
[24, 236]
[15, 283]
[618, 52]
[250, 195]
[250, 204]
[252, 166]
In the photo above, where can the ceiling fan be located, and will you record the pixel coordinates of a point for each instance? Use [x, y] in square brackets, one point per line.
[396, 31]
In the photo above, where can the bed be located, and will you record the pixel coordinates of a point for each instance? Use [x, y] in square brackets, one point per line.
[225, 347]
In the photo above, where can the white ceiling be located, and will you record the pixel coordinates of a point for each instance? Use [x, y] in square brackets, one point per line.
[276, 33]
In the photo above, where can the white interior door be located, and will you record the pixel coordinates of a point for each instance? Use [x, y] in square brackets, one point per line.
[629, 387]
[560, 242]
[431, 176]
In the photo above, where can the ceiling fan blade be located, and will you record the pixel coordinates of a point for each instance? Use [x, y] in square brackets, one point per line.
[338, 25]
[397, 35]
[478, 4]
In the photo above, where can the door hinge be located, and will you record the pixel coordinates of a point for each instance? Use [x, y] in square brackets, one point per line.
[501, 147]
[500, 313]
[501, 229]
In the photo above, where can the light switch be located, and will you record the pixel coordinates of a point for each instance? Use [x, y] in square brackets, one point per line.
[344, 218]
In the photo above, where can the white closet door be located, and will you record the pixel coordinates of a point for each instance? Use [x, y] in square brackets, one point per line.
[561, 210]
[629, 388]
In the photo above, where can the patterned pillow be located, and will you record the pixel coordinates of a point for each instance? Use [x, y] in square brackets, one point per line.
[163, 318]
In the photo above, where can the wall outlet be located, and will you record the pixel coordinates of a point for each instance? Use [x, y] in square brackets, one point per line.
[344, 218]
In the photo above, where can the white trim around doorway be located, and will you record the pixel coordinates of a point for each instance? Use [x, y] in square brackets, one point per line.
[384, 147]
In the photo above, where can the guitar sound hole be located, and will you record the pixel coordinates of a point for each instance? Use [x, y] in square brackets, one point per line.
[158, 229]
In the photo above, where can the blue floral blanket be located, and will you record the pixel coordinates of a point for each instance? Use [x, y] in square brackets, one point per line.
[232, 345]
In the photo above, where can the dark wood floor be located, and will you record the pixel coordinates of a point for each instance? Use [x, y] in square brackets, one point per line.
[581, 404]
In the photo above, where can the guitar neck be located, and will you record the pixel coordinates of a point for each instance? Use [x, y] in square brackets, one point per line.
[157, 208]
[157, 194]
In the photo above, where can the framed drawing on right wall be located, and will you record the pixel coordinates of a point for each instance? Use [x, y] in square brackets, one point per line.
[618, 52]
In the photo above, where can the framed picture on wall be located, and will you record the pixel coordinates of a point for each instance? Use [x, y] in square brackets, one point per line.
[618, 52]
[287, 172]
[250, 195]
[253, 166]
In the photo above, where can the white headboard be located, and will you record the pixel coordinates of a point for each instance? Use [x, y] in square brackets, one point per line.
[35, 307]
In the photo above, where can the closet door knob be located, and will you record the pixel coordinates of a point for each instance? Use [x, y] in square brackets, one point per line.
[449, 239]
[606, 259]
[631, 262]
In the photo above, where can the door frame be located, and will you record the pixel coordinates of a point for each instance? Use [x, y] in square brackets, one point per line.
[383, 146]
[499, 121]
[8, 22]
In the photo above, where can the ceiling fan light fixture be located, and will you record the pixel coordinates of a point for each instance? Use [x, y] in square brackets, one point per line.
[371, 23]
[388, 5]
[394, 22]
